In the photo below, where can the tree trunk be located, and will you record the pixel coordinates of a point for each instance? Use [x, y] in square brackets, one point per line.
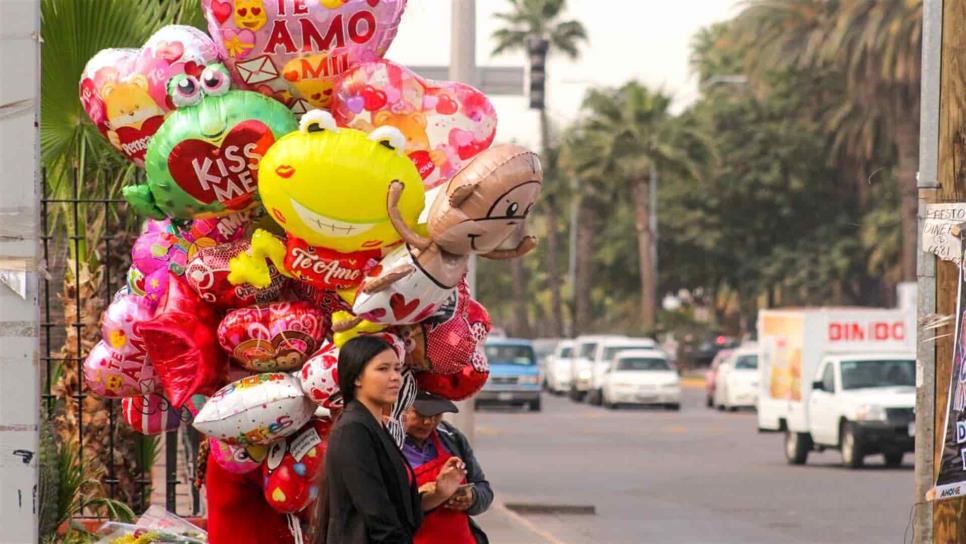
[640, 186]
[552, 212]
[907, 144]
[586, 231]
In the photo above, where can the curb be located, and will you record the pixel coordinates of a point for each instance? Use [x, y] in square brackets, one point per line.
[546, 537]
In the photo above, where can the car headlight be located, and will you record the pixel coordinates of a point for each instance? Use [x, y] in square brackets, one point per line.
[870, 412]
[585, 374]
[529, 379]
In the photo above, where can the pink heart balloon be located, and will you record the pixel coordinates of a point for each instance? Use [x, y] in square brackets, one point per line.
[125, 91]
[446, 123]
[295, 50]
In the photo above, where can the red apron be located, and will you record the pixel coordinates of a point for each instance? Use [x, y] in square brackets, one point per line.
[442, 524]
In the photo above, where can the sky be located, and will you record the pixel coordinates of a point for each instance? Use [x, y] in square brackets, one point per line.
[648, 40]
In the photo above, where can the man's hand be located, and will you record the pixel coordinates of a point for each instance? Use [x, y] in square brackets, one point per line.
[453, 472]
[462, 500]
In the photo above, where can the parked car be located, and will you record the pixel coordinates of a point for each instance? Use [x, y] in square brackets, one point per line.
[700, 351]
[737, 380]
[607, 350]
[514, 374]
[642, 376]
[581, 364]
[711, 376]
[544, 348]
[557, 373]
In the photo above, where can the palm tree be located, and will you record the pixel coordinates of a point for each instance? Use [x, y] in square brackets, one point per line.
[541, 19]
[634, 137]
[81, 165]
[875, 46]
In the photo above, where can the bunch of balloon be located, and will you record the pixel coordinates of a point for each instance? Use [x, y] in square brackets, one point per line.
[299, 190]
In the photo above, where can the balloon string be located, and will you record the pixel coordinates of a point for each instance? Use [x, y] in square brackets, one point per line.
[295, 528]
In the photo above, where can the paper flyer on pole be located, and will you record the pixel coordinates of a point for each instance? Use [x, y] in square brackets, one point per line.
[951, 481]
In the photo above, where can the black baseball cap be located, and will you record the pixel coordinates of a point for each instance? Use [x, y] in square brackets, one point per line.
[428, 404]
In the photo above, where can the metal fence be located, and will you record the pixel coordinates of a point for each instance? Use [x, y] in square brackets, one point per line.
[62, 218]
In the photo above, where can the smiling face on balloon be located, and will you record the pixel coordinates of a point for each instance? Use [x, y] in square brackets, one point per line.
[203, 161]
[328, 185]
[250, 14]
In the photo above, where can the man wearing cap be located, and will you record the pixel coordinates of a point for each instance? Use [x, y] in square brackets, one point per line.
[429, 443]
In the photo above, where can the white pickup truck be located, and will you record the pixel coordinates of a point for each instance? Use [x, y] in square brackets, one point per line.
[839, 378]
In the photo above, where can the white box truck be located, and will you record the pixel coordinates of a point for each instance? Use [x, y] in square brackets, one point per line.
[838, 378]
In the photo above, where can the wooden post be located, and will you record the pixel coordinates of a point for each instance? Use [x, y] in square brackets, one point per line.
[949, 516]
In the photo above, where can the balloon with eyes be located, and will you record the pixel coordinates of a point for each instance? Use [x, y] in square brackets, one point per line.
[326, 186]
[483, 205]
[203, 161]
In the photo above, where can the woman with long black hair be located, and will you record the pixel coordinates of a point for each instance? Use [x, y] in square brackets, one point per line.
[370, 493]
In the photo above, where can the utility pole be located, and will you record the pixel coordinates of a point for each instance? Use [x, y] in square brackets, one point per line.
[462, 67]
[942, 24]
[19, 258]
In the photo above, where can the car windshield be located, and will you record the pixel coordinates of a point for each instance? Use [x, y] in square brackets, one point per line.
[611, 351]
[862, 374]
[746, 362]
[587, 350]
[643, 363]
[510, 355]
[566, 353]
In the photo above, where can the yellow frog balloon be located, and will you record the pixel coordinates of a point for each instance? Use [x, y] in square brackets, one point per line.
[327, 187]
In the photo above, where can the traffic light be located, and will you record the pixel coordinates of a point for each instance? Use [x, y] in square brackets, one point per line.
[536, 66]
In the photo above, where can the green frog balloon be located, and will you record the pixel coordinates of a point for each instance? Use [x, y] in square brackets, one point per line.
[203, 161]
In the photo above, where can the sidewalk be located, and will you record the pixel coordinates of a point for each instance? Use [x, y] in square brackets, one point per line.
[503, 526]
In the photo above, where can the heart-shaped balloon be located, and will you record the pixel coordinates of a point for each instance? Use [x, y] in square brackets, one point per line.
[207, 273]
[113, 374]
[273, 337]
[151, 414]
[296, 50]
[448, 341]
[446, 123]
[117, 324]
[125, 91]
[292, 468]
[165, 247]
[460, 386]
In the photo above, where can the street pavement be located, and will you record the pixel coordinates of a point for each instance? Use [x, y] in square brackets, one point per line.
[695, 476]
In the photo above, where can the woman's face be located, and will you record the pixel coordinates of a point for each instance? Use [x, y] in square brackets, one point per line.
[381, 379]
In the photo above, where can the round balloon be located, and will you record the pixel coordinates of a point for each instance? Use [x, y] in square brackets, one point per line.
[448, 341]
[460, 386]
[295, 51]
[150, 414]
[320, 377]
[446, 123]
[113, 374]
[276, 337]
[259, 409]
[125, 91]
[203, 161]
[292, 468]
[117, 324]
[236, 459]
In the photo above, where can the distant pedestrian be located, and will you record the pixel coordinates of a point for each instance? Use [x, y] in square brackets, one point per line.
[430, 444]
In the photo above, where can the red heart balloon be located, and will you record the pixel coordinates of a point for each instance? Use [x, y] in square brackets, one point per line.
[292, 468]
[125, 91]
[252, 135]
[207, 273]
[462, 385]
[449, 341]
[275, 337]
[181, 343]
[445, 123]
